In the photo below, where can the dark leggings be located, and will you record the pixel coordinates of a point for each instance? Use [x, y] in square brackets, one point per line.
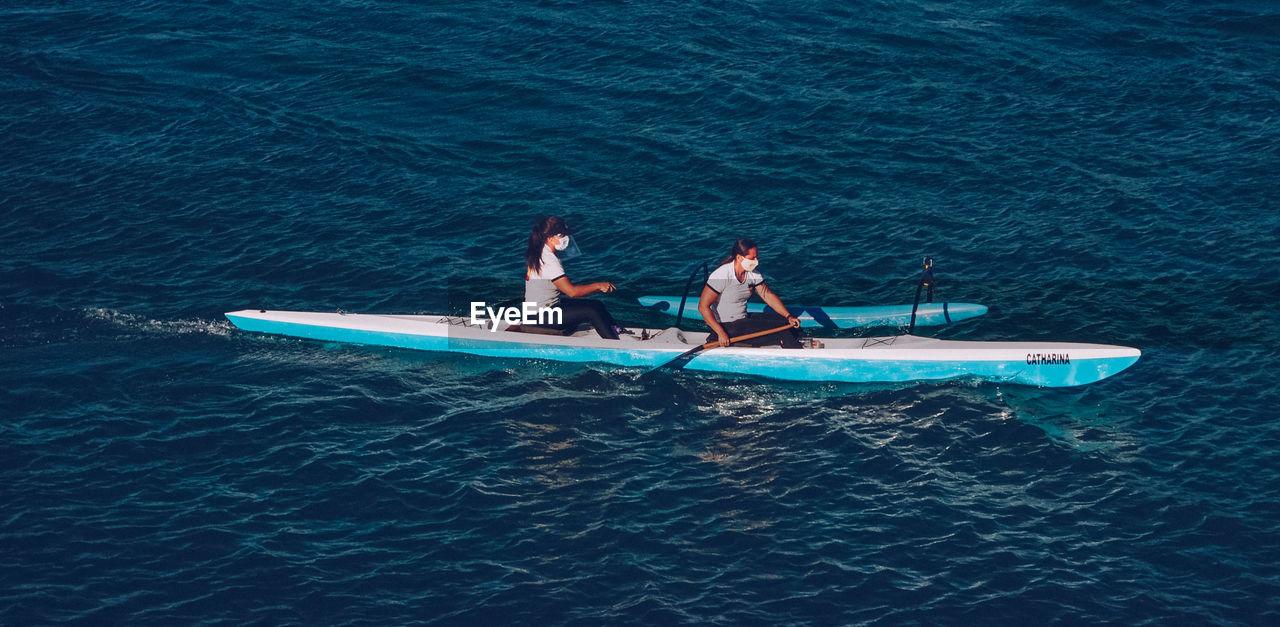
[579, 310]
[754, 322]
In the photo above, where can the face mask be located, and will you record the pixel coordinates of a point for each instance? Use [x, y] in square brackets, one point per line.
[749, 264]
[563, 242]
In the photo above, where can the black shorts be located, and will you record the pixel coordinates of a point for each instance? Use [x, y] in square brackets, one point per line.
[579, 310]
[787, 338]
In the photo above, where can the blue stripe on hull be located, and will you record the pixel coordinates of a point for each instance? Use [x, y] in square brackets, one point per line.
[473, 346]
[336, 334]
[1079, 372]
[802, 367]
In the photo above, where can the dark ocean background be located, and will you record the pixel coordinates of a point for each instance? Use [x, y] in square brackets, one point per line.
[1094, 171]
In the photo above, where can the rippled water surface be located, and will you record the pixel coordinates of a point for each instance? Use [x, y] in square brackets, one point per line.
[1092, 171]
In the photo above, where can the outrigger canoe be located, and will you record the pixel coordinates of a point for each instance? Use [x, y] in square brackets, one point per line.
[812, 316]
[879, 359]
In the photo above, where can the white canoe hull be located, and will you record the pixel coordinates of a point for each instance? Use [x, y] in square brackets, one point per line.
[882, 359]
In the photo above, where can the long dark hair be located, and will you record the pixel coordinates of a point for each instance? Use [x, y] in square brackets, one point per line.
[741, 246]
[543, 227]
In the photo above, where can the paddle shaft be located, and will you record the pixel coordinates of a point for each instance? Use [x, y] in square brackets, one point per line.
[683, 358]
[749, 336]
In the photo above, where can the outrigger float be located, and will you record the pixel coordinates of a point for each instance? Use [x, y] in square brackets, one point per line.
[925, 314]
[836, 317]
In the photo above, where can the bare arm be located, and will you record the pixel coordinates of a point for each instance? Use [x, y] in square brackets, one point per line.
[709, 297]
[567, 287]
[775, 303]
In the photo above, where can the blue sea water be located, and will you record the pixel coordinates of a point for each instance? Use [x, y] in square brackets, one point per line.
[1092, 170]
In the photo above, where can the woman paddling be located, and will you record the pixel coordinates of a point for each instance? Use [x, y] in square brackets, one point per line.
[546, 284]
[727, 290]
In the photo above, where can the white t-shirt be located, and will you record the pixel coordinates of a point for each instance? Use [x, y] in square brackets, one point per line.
[538, 287]
[733, 293]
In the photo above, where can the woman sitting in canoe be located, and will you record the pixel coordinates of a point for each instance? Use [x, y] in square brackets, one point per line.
[727, 290]
[546, 284]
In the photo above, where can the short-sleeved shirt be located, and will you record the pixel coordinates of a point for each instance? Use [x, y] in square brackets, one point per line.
[733, 293]
[538, 287]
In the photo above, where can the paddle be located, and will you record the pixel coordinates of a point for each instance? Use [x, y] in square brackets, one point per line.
[683, 358]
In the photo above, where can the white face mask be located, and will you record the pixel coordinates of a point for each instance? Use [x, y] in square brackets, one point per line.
[749, 264]
[562, 243]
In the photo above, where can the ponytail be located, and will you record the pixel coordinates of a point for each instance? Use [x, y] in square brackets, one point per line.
[543, 227]
[741, 246]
